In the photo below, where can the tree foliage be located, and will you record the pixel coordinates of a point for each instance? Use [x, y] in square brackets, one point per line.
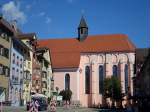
[112, 88]
[66, 94]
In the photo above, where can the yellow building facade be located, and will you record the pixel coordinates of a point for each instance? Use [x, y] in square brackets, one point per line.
[5, 43]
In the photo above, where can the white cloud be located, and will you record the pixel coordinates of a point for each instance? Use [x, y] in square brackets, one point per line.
[41, 13]
[48, 20]
[11, 11]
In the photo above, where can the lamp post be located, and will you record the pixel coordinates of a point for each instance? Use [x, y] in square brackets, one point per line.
[20, 95]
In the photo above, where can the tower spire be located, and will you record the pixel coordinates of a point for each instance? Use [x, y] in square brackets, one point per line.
[82, 30]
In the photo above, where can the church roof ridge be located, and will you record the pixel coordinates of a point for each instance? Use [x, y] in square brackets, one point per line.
[90, 36]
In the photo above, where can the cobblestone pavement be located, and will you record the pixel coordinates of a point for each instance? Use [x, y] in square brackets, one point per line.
[23, 109]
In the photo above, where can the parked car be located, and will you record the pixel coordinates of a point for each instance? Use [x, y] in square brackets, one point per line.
[42, 101]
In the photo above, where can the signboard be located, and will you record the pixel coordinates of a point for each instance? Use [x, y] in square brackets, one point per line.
[59, 98]
[2, 96]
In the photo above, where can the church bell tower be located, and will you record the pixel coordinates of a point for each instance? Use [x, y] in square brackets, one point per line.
[82, 30]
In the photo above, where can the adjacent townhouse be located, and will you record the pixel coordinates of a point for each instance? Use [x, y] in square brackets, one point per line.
[46, 71]
[6, 34]
[19, 53]
[36, 74]
[28, 39]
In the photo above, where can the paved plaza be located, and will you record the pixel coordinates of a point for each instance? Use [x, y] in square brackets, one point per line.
[59, 109]
[23, 109]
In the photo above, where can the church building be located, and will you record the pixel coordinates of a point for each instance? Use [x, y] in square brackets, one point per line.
[82, 63]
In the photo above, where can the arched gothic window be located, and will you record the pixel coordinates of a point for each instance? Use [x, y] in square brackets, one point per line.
[101, 79]
[126, 77]
[67, 82]
[115, 70]
[87, 80]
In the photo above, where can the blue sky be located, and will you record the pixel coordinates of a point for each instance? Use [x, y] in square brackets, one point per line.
[60, 18]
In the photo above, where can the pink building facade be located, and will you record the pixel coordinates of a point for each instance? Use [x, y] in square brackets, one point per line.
[94, 61]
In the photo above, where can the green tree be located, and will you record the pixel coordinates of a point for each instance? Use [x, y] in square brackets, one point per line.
[66, 94]
[112, 89]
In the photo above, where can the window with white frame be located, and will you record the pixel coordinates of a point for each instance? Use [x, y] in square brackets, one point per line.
[13, 73]
[6, 52]
[1, 48]
[1, 69]
[29, 64]
[18, 60]
[21, 62]
[6, 71]
[2, 51]
[13, 58]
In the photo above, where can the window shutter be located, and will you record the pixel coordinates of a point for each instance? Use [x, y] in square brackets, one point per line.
[2, 51]
[1, 69]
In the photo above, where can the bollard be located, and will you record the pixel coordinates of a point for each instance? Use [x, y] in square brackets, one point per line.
[31, 107]
[52, 106]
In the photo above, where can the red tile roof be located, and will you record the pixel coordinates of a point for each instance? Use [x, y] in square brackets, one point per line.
[65, 53]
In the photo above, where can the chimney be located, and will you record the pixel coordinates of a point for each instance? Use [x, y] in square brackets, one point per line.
[14, 25]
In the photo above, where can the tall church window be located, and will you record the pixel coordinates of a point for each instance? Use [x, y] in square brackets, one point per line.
[101, 79]
[115, 70]
[87, 80]
[126, 77]
[67, 82]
